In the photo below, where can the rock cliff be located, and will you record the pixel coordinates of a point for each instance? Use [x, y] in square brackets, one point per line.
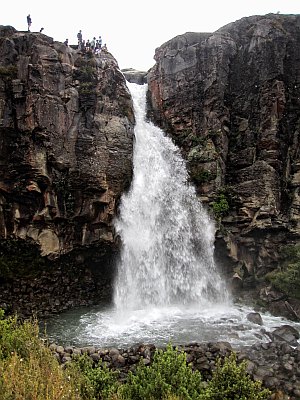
[231, 101]
[66, 134]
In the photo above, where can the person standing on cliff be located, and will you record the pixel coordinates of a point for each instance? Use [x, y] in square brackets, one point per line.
[79, 37]
[28, 22]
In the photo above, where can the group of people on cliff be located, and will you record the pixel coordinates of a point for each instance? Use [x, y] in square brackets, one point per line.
[93, 46]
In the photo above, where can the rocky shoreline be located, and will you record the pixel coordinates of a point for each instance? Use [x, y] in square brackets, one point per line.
[275, 362]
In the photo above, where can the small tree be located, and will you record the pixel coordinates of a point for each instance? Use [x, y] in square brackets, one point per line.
[220, 206]
[168, 375]
[232, 382]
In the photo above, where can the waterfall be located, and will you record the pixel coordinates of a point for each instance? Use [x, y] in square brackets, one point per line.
[167, 236]
[168, 287]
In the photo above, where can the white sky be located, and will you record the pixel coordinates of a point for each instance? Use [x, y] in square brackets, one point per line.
[132, 29]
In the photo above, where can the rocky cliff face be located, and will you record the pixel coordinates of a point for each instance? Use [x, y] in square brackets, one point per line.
[231, 101]
[66, 134]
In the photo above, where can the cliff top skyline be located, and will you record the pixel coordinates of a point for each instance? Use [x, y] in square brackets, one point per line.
[133, 29]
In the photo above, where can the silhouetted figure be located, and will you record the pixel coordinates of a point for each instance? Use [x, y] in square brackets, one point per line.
[29, 22]
[79, 36]
[93, 44]
[66, 42]
[80, 43]
[41, 30]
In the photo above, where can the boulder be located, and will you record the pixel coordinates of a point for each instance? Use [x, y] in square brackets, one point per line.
[255, 317]
[286, 333]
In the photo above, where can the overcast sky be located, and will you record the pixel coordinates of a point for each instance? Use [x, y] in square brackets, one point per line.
[132, 29]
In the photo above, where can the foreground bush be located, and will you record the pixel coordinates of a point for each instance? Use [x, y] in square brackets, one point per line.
[39, 377]
[17, 337]
[95, 382]
[168, 375]
[29, 371]
[231, 382]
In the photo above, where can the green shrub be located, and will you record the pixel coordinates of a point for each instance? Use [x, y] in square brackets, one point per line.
[86, 88]
[231, 382]
[28, 369]
[96, 381]
[200, 176]
[36, 377]
[220, 206]
[16, 337]
[168, 375]
[287, 278]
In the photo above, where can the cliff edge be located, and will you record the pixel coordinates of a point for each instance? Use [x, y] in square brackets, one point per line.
[66, 134]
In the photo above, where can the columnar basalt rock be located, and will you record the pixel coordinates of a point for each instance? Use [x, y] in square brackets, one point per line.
[66, 134]
[231, 101]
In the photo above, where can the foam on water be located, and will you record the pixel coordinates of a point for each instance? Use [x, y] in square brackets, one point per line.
[108, 327]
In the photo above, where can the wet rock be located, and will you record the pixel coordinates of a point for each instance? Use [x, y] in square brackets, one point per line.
[76, 352]
[88, 350]
[255, 318]
[113, 352]
[271, 382]
[60, 349]
[221, 347]
[286, 333]
[118, 360]
[251, 366]
[52, 347]
[69, 349]
[95, 357]
[262, 373]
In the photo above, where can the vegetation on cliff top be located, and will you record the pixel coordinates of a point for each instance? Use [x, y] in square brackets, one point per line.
[28, 370]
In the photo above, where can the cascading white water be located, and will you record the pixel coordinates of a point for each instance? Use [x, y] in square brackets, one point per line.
[167, 254]
[168, 287]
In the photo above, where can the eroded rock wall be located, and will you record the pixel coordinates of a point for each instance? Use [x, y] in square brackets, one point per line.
[231, 101]
[66, 137]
